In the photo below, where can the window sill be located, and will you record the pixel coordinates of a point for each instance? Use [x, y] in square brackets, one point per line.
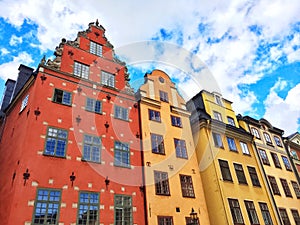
[189, 196]
[163, 194]
[158, 153]
[90, 161]
[54, 156]
[126, 120]
[122, 166]
[247, 154]
[100, 113]
[62, 104]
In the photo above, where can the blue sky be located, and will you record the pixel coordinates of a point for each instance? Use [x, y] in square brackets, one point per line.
[251, 48]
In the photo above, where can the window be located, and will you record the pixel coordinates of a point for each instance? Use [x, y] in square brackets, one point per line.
[93, 105]
[157, 143]
[218, 116]
[154, 115]
[190, 220]
[91, 148]
[165, 220]
[161, 183]
[294, 154]
[286, 163]
[296, 216]
[263, 156]
[265, 213]
[122, 154]
[277, 141]
[240, 173]
[217, 140]
[107, 79]
[123, 210]
[230, 121]
[47, 205]
[121, 113]
[180, 147]
[253, 176]
[218, 100]
[24, 103]
[296, 188]
[225, 170]
[284, 217]
[88, 208]
[255, 132]
[62, 97]
[176, 121]
[81, 70]
[56, 142]
[95, 48]
[275, 160]
[187, 186]
[231, 144]
[244, 147]
[251, 212]
[236, 213]
[274, 185]
[163, 96]
[285, 187]
[267, 138]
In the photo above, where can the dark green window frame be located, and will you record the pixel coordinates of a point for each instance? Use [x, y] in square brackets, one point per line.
[88, 208]
[122, 154]
[123, 210]
[56, 142]
[46, 206]
[62, 97]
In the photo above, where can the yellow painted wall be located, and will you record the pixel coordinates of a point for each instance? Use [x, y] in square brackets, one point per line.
[166, 205]
[281, 200]
[216, 190]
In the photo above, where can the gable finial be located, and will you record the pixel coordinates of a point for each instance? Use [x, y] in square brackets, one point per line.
[97, 22]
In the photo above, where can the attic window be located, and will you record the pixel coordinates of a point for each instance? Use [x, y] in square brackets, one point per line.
[218, 100]
[95, 48]
[24, 103]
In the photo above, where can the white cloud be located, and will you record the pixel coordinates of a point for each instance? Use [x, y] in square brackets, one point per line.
[228, 21]
[283, 112]
[4, 51]
[14, 40]
[10, 69]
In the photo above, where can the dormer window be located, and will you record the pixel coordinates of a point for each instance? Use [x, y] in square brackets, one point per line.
[230, 121]
[277, 141]
[255, 132]
[218, 100]
[267, 138]
[95, 48]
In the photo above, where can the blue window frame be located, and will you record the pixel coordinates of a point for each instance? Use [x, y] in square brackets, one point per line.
[176, 121]
[56, 142]
[154, 115]
[157, 144]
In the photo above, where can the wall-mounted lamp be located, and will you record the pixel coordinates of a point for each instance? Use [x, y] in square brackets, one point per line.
[26, 176]
[106, 182]
[106, 125]
[43, 78]
[135, 105]
[142, 188]
[148, 164]
[193, 171]
[194, 218]
[108, 97]
[72, 178]
[137, 135]
[78, 119]
[37, 112]
[171, 167]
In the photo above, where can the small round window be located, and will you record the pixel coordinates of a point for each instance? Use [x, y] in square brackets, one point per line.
[161, 80]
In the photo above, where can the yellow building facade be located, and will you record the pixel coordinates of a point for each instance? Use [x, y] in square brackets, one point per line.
[173, 187]
[233, 183]
[277, 168]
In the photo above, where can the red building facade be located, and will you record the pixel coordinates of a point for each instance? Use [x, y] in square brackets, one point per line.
[70, 141]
